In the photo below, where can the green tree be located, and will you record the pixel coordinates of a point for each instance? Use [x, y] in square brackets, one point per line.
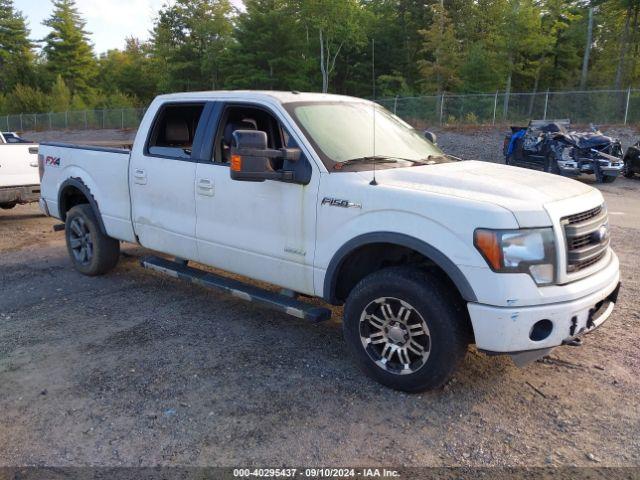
[129, 71]
[335, 23]
[190, 41]
[270, 50]
[16, 54]
[26, 99]
[440, 71]
[60, 98]
[67, 48]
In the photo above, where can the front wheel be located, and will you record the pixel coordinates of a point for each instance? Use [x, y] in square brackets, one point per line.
[405, 329]
[92, 252]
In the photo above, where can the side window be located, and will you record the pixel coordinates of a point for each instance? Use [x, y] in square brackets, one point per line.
[247, 118]
[174, 130]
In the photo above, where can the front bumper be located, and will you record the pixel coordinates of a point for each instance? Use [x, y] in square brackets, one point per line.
[23, 194]
[575, 168]
[612, 168]
[510, 329]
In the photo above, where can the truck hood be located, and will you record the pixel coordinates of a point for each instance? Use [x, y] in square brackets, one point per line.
[523, 192]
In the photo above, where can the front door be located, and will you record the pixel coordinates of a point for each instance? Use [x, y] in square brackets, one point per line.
[262, 230]
[161, 179]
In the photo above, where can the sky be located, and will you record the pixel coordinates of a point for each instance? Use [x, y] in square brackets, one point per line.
[109, 22]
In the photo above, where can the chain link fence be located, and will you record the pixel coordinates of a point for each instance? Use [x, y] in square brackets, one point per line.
[610, 107]
[596, 106]
[119, 118]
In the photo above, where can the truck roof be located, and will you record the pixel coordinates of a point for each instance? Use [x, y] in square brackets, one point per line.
[279, 96]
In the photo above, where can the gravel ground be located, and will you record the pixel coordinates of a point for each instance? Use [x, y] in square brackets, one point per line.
[135, 369]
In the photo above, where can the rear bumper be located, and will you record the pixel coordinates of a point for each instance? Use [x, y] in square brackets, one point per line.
[23, 194]
[509, 330]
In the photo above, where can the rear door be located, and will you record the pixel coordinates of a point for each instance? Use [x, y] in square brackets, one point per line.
[161, 178]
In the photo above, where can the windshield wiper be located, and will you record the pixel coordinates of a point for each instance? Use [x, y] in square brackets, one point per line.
[370, 159]
[387, 159]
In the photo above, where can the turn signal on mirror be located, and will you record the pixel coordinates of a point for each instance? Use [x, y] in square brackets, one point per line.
[236, 163]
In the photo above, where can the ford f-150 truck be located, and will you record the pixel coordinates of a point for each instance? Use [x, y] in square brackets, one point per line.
[19, 180]
[334, 197]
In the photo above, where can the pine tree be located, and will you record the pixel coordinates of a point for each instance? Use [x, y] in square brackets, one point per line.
[270, 49]
[16, 53]
[440, 69]
[67, 48]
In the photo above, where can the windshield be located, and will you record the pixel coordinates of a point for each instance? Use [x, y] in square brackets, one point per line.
[343, 132]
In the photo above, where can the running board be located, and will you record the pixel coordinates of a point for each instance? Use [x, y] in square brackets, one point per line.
[285, 304]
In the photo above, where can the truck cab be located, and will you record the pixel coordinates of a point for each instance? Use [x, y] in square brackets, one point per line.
[334, 197]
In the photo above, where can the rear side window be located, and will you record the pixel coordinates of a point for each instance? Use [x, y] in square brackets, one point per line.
[174, 130]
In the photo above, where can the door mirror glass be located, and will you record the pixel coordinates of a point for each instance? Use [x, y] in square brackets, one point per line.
[251, 160]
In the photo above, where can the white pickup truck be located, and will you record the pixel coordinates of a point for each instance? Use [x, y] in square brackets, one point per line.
[19, 179]
[426, 253]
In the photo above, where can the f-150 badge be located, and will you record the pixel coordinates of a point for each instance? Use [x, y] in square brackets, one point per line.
[336, 202]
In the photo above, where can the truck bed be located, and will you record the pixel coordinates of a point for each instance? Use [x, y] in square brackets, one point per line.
[104, 171]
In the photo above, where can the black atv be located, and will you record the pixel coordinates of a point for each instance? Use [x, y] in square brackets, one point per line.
[550, 146]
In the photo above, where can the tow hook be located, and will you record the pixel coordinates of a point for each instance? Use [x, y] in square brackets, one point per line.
[574, 342]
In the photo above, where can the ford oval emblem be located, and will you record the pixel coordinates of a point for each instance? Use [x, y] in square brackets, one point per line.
[601, 234]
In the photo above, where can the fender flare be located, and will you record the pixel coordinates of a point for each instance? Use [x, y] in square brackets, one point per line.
[80, 185]
[430, 252]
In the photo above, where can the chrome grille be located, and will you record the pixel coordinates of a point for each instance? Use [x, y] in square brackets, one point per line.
[581, 217]
[587, 238]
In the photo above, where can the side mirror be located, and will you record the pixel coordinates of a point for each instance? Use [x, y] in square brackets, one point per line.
[431, 137]
[251, 159]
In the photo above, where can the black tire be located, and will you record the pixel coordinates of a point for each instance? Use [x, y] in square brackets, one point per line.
[627, 172]
[510, 160]
[8, 206]
[431, 304]
[92, 252]
[551, 164]
[608, 179]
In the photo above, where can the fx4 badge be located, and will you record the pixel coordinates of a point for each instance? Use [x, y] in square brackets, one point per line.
[336, 202]
[52, 161]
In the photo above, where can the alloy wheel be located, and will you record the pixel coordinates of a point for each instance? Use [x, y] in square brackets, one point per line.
[395, 335]
[80, 241]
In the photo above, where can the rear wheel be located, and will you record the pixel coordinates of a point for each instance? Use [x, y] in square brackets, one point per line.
[510, 160]
[8, 206]
[405, 329]
[627, 172]
[92, 252]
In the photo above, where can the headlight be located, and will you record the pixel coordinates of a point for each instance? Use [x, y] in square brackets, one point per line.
[530, 251]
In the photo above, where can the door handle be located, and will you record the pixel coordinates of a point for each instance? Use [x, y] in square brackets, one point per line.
[205, 187]
[140, 176]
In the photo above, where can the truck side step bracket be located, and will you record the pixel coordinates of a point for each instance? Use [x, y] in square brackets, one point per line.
[283, 303]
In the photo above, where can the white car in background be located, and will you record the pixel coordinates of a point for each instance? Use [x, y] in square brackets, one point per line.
[19, 179]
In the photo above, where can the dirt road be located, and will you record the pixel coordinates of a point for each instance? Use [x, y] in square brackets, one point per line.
[135, 369]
